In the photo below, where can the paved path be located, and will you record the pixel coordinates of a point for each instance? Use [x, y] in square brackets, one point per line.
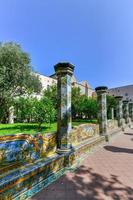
[105, 175]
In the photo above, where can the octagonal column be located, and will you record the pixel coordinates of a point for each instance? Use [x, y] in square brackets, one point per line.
[119, 110]
[64, 72]
[126, 111]
[102, 109]
[11, 115]
[131, 110]
[112, 113]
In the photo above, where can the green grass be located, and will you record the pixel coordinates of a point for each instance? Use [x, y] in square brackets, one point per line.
[84, 121]
[32, 128]
[26, 128]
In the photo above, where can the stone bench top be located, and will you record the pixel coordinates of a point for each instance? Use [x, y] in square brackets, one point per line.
[27, 169]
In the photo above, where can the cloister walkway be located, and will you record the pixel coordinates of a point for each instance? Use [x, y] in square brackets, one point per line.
[106, 174]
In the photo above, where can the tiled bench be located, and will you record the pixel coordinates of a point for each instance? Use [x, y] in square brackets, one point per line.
[27, 180]
[29, 163]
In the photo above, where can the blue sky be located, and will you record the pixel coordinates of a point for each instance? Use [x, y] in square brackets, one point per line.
[95, 35]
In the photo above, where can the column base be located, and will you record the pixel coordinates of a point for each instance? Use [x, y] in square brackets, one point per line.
[63, 151]
[130, 126]
[123, 128]
[106, 136]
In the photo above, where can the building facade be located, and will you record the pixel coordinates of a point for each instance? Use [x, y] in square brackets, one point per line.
[84, 86]
[125, 91]
[46, 81]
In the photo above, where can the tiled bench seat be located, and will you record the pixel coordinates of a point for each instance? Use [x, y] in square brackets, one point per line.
[17, 150]
[25, 177]
[21, 157]
[29, 163]
[27, 180]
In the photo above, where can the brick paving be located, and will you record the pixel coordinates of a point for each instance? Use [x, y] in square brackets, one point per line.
[107, 174]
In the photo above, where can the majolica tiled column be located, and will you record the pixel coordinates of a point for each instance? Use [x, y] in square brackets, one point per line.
[64, 72]
[102, 109]
[126, 111]
[119, 110]
[131, 110]
[112, 113]
[11, 115]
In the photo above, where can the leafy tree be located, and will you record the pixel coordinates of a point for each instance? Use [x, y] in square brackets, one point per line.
[24, 109]
[44, 111]
[91, 108]
[87, 107]
[16, 75]
[83, 101]
[81, 104]
[51, 93]
[34, 110]
[75, 101]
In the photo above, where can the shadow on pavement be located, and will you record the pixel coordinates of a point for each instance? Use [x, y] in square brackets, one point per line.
[118, 149]
[85, 184]
[128, 134]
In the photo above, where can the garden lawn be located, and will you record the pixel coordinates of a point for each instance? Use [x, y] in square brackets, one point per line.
[26, 128]
[83, 121]
[32, 128]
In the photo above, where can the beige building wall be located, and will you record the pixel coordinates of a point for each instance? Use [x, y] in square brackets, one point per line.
[46, 81]
[125, 91]
[49, 81]
[84, 88]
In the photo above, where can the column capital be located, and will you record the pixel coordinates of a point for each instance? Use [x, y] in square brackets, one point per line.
[64, 68]
[125, 101]
[101, 89]
[119, 98]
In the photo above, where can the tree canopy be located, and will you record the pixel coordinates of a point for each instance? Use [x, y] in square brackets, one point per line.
[31, 109]
[82, 106]
[16, 75]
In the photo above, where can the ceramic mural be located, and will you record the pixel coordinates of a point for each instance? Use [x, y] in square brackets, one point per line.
[83, 132]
